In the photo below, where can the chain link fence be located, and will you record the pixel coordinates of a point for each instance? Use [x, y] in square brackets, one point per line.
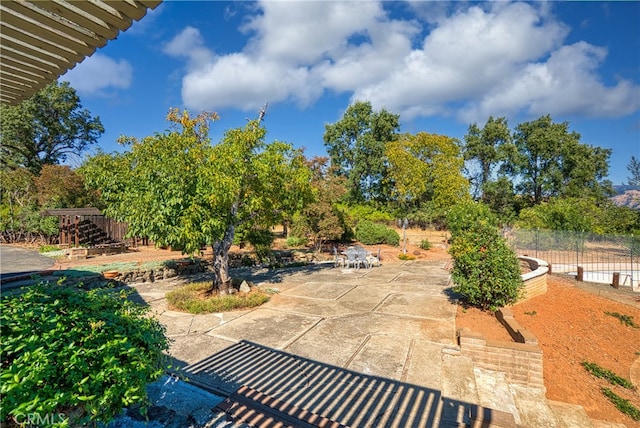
[599, 258]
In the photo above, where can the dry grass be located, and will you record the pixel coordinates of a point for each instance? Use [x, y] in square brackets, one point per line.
[196, 298]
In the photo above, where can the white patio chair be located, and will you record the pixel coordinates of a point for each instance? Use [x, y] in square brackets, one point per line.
[374, 259]
[338, 260]
[352, 259]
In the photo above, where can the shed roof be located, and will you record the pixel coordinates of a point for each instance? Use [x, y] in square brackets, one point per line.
[41, 40]
[71, 211]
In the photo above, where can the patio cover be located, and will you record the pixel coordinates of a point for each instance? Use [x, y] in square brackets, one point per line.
[41, 40]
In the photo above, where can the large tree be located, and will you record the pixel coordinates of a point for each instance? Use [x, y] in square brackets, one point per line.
[321, 219]
[356, 145]
[484, 146]
[547, 160]
[46, 129]
[426, 168]
[179, 190]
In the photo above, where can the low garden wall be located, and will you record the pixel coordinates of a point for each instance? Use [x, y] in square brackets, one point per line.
[535, 281]
[520, 360]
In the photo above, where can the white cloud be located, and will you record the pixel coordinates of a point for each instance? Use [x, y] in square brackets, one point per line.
[494, 58]
[99, 73]
[567, 83]
[239, 81]
[189, 44]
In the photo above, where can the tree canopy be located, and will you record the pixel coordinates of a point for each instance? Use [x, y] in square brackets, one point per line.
[356, 146]
[548, 160]
[485, 147]
[179, 190]
[426, 167]
[46, 129]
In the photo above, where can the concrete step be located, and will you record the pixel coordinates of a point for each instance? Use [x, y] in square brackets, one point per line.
[494, 392]
[570, 415]
[458, 378]
[533, 407]
[458, 389]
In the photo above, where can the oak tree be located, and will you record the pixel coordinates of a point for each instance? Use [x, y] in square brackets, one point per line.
[548, 160]
[356, 146]
[46, 129]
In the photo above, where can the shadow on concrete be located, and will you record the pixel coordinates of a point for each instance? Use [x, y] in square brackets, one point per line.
[277, 275]
[271, 386]
[452, 296]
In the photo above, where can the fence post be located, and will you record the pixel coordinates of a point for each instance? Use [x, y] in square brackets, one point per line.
[615, 280]
[580, 275]
[631, 248]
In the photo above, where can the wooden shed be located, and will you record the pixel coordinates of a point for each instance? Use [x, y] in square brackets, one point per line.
[89, 227]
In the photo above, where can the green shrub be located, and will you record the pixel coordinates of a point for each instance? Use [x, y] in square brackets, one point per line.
[79, 355]
[485, 270]
[391, 237]
[48, 248]
[370, 233]
[370, 213]
[466, 215]
[296, 241]
[262, 241]
[425, 244]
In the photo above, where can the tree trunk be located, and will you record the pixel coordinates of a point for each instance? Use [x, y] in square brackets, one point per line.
[221, 279]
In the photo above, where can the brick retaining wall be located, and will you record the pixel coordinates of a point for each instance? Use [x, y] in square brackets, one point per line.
[521, 360]
[535, 282]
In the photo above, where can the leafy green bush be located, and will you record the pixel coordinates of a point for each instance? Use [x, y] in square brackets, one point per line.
[485, 270]
[48, 248]
[296, 241]
[79, 355]
[367, 212]
[425, 244]
[262, 241]
[466, 215]
[370, 233]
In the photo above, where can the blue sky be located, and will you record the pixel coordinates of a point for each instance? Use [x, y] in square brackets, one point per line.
[440, 65]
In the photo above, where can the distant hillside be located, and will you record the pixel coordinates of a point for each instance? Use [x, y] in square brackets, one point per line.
[628, 198]
[621, 188]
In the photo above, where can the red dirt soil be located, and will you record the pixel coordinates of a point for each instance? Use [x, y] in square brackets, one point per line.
[571, 327]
